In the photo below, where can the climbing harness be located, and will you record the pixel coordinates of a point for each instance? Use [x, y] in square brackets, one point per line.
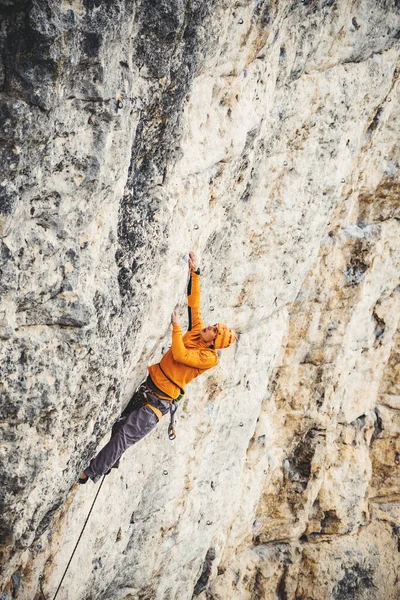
[173, 407]
[140, 399]
[79, 539]
[171, 427]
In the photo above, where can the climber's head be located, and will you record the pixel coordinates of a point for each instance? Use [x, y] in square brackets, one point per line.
[208, 334]
[218, 336]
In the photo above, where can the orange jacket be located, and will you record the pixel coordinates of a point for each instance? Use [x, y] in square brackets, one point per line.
[188, 356]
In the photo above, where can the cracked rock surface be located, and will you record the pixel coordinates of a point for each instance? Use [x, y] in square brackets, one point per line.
[264, 136]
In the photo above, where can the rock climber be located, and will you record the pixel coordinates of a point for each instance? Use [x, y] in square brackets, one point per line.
[190, 355]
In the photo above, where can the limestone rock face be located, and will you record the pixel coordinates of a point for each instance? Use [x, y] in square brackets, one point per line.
[264, 136]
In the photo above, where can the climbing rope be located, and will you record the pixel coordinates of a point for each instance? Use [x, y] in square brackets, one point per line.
[79, 539]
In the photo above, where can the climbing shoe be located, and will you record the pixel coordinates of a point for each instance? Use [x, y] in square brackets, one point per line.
[83, 480]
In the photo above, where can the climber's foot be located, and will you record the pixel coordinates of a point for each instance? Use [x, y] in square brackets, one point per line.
[83, 478]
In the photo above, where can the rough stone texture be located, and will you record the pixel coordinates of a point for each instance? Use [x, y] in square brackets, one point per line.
[264, 136]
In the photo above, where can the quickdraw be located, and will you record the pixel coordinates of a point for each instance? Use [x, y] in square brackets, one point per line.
[171, 429]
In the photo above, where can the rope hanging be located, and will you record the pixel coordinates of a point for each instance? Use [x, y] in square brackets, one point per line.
[79, 539]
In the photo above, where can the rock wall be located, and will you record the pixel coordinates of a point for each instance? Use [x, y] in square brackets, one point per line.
[263, 135]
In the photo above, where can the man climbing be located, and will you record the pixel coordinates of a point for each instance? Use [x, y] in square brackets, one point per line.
[189, 356]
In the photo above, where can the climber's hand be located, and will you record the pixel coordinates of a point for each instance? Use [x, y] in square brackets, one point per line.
[175, 318]
[193, 266]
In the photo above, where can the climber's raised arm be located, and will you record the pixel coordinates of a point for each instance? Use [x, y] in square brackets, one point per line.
[193, 292]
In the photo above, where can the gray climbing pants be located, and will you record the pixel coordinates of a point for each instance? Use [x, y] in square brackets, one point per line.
[129, 428]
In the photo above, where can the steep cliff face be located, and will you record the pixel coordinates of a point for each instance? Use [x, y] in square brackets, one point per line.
[264, 136]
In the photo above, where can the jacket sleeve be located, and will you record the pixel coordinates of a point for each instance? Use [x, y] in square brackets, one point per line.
[193, 358]
[193, 292]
